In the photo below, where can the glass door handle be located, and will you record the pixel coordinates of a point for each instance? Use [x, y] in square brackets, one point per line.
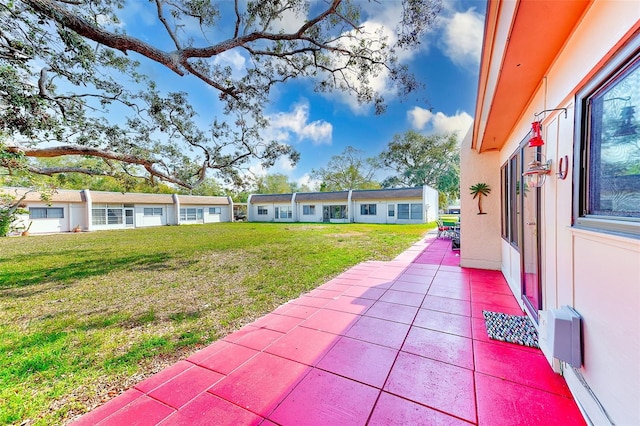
[531, 223]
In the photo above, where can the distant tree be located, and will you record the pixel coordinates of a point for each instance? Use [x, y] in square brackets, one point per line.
[101, 178]
[70, 83]
[349, 170]
[276, 183]
[417, 160]
[209, 187]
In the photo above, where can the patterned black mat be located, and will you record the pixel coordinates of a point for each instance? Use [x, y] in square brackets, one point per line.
[511, 328]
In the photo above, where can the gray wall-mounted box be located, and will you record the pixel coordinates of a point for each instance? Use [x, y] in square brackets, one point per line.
[564, 335]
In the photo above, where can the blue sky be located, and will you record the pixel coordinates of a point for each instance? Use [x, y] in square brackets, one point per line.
[320, 126]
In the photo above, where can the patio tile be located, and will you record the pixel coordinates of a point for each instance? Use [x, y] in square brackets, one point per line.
[275, 322]
[317, 302]
[354, 305]
[207, 409]
[445, 304]
[107, 409]
[519, 366]
[331, 321]
[259, 338]
[186, 386]
[451, 268]
[402, 297]
[164, 375]
[237, 335]
[206, 352]
[452, 292]
[441, 321]
[392, 312]
[459, 274]
[501, 288]
[228, 359]
[298, 311]
[440, 346]
[478, 307]
[411, 287]
[358, 360]
[142, 411]
[506, 403]
[261, 383]
[335, 286]
[381, 332]
[327, 294]
[486, 275]
[438, 385]
[373, 282]
[505, 300]
[323, 398]
[391, 410]
[303, 345]
[365, 292]
[413, 278]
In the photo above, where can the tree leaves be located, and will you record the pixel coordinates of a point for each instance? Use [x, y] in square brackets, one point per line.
[91, 93]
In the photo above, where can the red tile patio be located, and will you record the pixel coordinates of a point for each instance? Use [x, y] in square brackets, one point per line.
[385, 343]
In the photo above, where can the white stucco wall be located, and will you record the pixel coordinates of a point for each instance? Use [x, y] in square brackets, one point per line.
[480, 241]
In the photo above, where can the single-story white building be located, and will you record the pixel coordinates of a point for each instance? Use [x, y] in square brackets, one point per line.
[558, 105]
[97, 210]
[401, 205]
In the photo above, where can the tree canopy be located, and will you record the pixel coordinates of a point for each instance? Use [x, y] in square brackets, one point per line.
[73, 79]
[417, 159]
[349, 170]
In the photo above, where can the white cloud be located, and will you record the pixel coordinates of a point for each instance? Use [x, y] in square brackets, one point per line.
[423, 119]
[419, 117]
[232, 58]
[284, 125]
[462, 37]
[289, 21]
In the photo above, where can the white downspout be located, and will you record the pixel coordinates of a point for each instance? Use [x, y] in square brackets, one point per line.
[176, 203]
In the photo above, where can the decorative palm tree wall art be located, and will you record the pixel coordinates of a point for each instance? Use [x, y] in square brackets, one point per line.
[478, 190]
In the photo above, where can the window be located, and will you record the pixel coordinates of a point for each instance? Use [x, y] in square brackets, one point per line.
[191, 214]
[114, 216]
[262, 210]
[416, 211]
[309, 210]
[392, 210]
[403, 211]
[104, 214]
[46, 213]
[608, 194]
[410, 211]
[513, 190]
[215, 210]
[283, 213]
[99, 216]
[152, 211]
[368, 209]
[337, 212]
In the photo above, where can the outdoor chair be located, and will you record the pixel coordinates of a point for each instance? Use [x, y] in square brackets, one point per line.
[442, 229]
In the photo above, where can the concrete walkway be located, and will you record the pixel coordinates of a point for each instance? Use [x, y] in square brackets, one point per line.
[385, 343]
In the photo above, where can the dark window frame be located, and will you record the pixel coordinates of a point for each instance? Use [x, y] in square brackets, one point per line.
[48, 212]
[583, 217]
[368, 209]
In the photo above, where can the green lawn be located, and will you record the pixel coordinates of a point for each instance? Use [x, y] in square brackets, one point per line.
[84, 316]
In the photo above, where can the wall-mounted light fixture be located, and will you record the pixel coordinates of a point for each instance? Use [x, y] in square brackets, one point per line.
[537, 171]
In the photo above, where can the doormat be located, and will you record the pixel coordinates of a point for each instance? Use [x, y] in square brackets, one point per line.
[511, 328]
